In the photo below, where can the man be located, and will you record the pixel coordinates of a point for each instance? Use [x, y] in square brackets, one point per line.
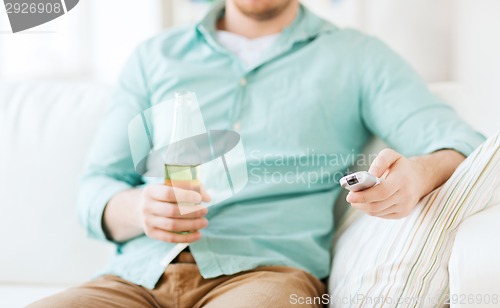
[295, 87]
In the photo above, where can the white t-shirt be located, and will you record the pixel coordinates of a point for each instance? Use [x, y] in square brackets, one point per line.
[248, 50]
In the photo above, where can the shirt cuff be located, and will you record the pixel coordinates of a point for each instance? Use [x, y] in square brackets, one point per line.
[93, 199]
[464, 145]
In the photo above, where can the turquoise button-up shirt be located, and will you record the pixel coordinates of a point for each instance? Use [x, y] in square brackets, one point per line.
[305, 111]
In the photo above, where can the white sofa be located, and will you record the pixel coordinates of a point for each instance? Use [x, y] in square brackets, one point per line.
[45, 130]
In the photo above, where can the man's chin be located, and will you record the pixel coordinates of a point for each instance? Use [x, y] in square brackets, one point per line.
[262, 9]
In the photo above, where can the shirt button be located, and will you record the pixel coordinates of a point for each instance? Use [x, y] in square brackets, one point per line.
[237, 126]
[243, 82]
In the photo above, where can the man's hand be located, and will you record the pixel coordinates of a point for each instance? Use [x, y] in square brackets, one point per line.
[406, 182]
[161, 218]
[154, 211]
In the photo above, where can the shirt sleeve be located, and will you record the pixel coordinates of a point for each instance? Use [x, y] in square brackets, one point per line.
[109, 168]
[397, 107]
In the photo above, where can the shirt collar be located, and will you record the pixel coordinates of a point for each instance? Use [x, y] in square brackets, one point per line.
[305, 26]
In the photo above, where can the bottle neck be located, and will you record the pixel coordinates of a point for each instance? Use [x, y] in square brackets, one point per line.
[183, 149]
[182, 125]
[182, 122]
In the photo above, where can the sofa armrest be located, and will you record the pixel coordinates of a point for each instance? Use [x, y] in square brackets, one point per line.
[474, 265]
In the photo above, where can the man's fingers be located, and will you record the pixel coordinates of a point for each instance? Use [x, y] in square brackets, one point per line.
[381, 192]
[176, 225]
[172, 194]
[376, 207]
[385, 159]
[388, 210]
[204, 194]
[171, 237]
[165, 209]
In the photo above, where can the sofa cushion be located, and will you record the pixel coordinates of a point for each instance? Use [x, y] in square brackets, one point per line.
[18, 296]
[475, 260]
[45, 130]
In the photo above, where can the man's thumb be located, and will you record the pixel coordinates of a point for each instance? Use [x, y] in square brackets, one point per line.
[384, 160]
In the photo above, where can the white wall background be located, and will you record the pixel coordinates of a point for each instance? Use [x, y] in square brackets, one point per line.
[92, 41]
[476, 58]
[445, 40]
[420, 30]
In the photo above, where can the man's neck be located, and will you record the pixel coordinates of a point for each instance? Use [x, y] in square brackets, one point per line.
[236, 22]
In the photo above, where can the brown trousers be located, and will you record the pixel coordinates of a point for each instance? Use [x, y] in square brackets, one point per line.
[182, 286]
